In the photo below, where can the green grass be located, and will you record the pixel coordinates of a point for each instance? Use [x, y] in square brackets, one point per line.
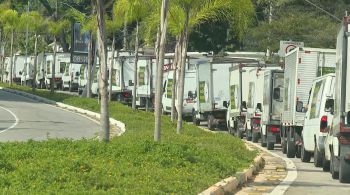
[131, 164]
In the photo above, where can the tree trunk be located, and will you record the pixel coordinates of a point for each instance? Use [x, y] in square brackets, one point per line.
[11, 56]
[111, 69]
[181, 84]
[104, 135]
[177, 54]
[35, 61]
[125, 33]
[89, 66]
[160, 66]
[53, 70]
[135, 67]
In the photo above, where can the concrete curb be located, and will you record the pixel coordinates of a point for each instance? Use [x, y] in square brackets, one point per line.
[119, 125]
[232, 184]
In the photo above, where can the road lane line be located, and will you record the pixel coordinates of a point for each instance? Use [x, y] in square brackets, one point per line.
[14, 124]
[291, 173]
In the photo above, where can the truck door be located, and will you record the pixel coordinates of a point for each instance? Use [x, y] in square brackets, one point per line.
[204, 100]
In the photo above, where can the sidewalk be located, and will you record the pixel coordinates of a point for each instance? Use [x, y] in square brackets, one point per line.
[268, 178]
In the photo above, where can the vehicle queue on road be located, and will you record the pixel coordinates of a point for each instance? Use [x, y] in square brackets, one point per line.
[301, 102]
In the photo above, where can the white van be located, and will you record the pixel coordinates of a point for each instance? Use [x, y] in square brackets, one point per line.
[62, 59]
[317, 115]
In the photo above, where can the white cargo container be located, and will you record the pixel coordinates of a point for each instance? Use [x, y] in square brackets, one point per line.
[272, 107]
[18, 68]
[28, 71]
[302, 66]
[338, 139]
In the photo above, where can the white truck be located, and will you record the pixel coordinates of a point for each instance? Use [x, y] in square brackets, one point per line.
[28, 71]
[302, 66]
[272, 105]
[70, 77]
[338, 139]
[213, 91]
[189, 86]
[62, 59]
[316, 119]
[18, 68]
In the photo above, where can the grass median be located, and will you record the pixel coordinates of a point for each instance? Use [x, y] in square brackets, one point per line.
[130, 164]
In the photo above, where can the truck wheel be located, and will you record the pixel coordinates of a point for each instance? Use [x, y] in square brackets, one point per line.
[318, 157]
[195, 120]
[270, 145]
[305, 155]
[210, 122]
[284, 146]
[325, 165]
[335, 174]
[344, 171]
[290, 146]
[298, 153]
[255, 137]
[249, 135]
[263, 140]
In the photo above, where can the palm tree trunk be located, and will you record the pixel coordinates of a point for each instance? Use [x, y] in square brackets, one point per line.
[35, 61]
[89, 72]
[111, 69]
[53, 70]
[135, 67]
[104, 135]
[182, 75]
[160, 66]
[173, 90]
[125, 33]
[11, 56]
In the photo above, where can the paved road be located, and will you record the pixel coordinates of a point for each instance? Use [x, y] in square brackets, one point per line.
[40, 121]
[312, 180]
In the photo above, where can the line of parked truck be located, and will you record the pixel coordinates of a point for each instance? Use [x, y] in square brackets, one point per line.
[302, 102]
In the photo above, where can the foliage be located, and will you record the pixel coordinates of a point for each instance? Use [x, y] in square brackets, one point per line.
[130, 164]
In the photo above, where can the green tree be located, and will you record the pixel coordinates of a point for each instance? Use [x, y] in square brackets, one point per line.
[134, 11]
[10, 19]
[187, 14]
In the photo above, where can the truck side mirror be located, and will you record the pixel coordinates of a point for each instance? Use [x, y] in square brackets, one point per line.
[244, 105]
[225, 104]
[329, 107]
[277, 93]
[300, 107]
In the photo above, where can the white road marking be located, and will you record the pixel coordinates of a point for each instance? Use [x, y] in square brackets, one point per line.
[291, 173]
[14, 124]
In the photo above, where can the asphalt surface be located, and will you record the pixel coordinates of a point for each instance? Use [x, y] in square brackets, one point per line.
[310, 180]
[22, 119]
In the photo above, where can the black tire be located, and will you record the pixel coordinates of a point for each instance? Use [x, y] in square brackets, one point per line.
[305, 155]
[344, 171]
[318, 157]
[270, 145]
[211, 122]
[195, 121]
[335, 174]
[249, 136]
[290, 146]
[326, 165]
[255, 137]
[284, 146]
[263, 140]
[298, 153]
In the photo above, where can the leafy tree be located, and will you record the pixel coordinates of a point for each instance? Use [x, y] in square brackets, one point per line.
[9, 18]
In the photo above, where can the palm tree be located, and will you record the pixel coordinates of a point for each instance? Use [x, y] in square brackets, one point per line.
[191, 13]
[160, 65]
[134, 11]
[36, 25]
[10, 20]
[104, 136]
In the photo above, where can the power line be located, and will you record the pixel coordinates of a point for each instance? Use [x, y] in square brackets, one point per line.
[326, 12]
